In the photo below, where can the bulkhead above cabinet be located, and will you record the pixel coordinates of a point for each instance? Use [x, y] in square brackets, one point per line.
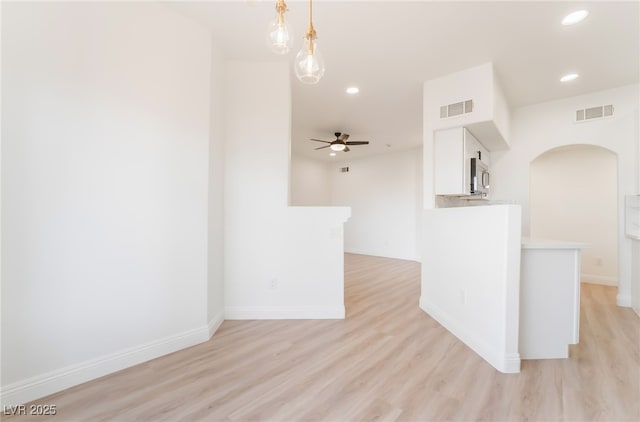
[471, 98]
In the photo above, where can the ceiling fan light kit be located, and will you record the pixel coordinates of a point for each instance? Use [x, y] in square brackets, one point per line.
[308, 64]
[340, 144]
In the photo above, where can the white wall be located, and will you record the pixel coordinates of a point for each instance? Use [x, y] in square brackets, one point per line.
[104, 190]
[384, 193]
[471, 278]
[300, 248]
[310, 185]
[636, 244]
[385, 196]
[1, 218]
[501, 110]
[636, 277]
[538, 128]
[215, 261]
[573, 196]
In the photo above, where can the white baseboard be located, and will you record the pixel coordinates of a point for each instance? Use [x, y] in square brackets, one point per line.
[43, 385]
[598, 279]
[408, 257]
[284, 312]
[215, 323]
[511, 363]
[623, 300]
[508, 363]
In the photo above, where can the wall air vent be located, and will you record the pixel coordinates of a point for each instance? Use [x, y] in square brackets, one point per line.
[344, 169]
[594, 113]
[456, 109]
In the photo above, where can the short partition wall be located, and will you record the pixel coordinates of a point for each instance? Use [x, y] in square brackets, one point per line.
[295, 272]
[471, 276]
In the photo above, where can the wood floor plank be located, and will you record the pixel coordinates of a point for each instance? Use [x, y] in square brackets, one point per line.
[386, 361]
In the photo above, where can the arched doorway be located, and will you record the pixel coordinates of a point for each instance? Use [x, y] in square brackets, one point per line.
[573, 196]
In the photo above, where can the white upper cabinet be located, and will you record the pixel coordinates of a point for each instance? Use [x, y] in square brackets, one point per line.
[471, 98]
[453, 150]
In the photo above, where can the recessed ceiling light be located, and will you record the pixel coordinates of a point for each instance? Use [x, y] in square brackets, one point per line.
[333, 154]
[569, 77]
[353, 90]
[575, 17]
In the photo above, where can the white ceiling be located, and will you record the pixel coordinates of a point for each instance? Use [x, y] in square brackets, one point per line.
[389, 48]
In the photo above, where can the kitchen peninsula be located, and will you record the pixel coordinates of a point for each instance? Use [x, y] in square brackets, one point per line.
[506, 297]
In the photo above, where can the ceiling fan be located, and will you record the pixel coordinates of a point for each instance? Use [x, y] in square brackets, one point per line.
[340, 144]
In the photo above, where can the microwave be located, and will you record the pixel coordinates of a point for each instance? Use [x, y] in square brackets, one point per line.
[479, 177]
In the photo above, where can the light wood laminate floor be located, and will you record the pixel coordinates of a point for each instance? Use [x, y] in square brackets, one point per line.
[387, 360]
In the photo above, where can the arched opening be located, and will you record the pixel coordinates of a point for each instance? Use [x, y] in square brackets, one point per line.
[573, 196]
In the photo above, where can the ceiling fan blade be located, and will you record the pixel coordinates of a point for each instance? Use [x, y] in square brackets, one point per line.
[358, 143]
[320, 140]
[326, 146]
[343, 137]
[346, 149]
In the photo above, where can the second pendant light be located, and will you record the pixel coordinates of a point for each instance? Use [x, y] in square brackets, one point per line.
[309, 64]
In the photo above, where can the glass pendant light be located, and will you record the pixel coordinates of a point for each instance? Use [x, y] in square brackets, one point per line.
[309, 65]
[279, 31]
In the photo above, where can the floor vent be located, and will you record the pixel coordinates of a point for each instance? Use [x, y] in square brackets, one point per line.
[594, 113]
[456, 109]
[344, 169]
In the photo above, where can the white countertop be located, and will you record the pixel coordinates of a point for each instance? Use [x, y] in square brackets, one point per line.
[529, 243]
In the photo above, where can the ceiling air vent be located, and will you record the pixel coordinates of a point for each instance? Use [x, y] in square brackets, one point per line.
[344, 169]
[456, 109]
[594, 113]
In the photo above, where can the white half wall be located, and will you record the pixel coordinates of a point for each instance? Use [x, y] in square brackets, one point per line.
[385, 196]
[310, 184]
[280, 261]
[471, 278]
[539, 128]
[104, 190]
[573, 196]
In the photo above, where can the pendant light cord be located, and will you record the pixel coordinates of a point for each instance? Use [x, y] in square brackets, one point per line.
[311, 32]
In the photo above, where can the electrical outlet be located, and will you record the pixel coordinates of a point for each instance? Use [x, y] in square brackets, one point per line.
[273, 283]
